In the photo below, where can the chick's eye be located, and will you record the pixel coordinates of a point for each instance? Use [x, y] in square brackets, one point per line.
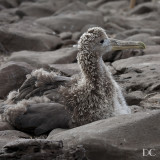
[101, 41]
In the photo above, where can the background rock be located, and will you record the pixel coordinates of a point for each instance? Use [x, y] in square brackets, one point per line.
[73, 7]
[36, 9]
[38, 149]
[11, 135]
[139, 74]
[9, 4]
[72, 22]
[61, 56]
[67, 69]
[12, 75]
[28, 36]
[124, 136]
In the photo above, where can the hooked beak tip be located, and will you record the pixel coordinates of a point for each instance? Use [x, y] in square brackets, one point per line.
[142, 45]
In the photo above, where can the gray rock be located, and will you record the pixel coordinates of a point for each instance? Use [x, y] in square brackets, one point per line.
[116, 55]
[37, 10]
[134, 22]
[27, 35]
[68, 43]
[8, 3]
[113, 7]
[67, 69]
[12, 75]
[76, 35]
[38, 59]
[139, 73]
[152, 101]
[66, 35]
[112, 28]
[38, 149]
[73, 7]
[72, 22]
[131, 32]
[145, 8]
[144, 37]
[59, 4]
[152, 50]
[118, 137]
[7, 17]
[156, 39]
[134, 98]
[135, 109]
[11, 135]
[98, 3]
[56, 131]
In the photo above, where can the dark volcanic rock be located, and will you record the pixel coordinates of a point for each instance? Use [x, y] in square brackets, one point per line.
[152, 101]
[112, 28]
[116, 55]
[9, 3]
[60, 56]
[76, 6]
[111, 8]
[98, 3]
[36, 9]
[11, 135]
[134, 22]
[67, 69]
[12, 75]
[59, 4]
[132, 32]
[139, 73]
[7, 17]
[26, 35]
[72, 22]
[122, 137]
[38, 149]
[144, 37]
[56, 131]
[134, 98]
[66, 35]
[145, 8]
[152, 49]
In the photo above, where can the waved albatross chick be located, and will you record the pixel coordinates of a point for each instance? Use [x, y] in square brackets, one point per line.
[90, 96]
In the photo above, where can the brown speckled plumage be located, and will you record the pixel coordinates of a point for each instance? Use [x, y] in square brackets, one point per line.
[95, 94]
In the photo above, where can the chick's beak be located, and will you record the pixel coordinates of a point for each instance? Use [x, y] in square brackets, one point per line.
[121, 45]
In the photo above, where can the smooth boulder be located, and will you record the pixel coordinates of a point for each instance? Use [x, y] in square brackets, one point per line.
[11, 135]
[139, 74]
[60, 56]
[72, 22]
[26, 35]
[37, 149]
[12, 75]
[115, 138]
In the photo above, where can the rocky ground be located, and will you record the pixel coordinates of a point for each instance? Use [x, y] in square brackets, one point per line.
[41, 33]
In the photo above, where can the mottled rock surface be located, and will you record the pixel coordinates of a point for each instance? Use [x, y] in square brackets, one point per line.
[38, 149]
[12, 75]
[60, 56]
[119, 137]
[8, 136]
